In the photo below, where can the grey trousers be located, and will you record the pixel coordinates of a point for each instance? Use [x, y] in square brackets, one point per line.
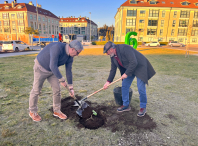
[39, 77]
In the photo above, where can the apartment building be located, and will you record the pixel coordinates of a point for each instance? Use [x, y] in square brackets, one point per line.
[15, 17]
[78, 26]
[154, 20]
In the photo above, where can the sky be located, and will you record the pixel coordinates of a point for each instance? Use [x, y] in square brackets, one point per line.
[102, 11]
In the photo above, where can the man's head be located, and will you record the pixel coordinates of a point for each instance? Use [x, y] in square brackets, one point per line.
[75, 47]
[109, 48]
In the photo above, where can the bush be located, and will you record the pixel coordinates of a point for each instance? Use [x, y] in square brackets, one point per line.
[93, 43]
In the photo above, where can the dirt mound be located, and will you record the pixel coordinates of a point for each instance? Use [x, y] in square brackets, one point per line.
[107, 117]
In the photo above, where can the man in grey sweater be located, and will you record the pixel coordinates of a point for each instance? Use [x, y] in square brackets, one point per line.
[46, 67]
[131, 64]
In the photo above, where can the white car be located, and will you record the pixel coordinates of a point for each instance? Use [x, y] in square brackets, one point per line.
[14, 46]
[153, 44]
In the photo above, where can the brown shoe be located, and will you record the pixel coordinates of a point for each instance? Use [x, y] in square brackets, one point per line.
[60, 115]
[35, 117]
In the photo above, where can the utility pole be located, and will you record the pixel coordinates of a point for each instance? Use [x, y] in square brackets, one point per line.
[90, 26]
[37, 21]
[98, 31]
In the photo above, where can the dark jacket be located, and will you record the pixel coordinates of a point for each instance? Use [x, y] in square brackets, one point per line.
[134, 63]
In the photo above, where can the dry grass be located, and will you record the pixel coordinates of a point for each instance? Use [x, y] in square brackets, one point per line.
[172, 103]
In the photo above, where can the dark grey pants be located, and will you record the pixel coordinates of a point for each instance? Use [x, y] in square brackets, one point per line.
[39, 77]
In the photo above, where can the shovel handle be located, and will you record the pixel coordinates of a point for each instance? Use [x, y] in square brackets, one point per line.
[103, 88]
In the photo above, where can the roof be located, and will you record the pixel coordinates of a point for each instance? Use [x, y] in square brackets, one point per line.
[78, 20]
[163, 3]
[26, 7]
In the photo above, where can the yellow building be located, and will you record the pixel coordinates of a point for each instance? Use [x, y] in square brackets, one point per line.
[154, 20]
[78, 26]
[15, 17]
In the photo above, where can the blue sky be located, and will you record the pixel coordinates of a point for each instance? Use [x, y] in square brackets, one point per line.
[102, 11]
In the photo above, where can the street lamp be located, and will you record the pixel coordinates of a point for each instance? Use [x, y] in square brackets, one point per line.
[90, 26]
[98, 31]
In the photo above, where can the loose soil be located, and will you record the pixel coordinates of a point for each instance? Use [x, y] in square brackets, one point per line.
[107, 117]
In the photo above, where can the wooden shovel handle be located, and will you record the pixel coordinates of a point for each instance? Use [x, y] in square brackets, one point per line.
[103, 88]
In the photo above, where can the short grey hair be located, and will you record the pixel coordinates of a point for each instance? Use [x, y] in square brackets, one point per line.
[76, 45]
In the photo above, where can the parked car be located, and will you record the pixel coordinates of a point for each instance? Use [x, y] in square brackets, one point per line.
[153, 44]
[14, 46]
[175, 44]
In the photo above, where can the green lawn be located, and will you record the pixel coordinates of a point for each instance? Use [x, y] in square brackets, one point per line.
[172, 103]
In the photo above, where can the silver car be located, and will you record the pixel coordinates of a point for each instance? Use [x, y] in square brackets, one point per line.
[14, 46]
[175, 44]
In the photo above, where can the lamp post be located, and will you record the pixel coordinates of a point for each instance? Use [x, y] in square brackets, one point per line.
[37, 21]
[90, 26]
[98, 30]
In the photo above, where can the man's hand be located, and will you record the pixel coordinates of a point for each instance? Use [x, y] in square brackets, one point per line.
[64, 84]
[124, 76]
[72, 92]
[106, 85]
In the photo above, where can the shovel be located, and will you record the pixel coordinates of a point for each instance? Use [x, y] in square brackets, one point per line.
[82, 104]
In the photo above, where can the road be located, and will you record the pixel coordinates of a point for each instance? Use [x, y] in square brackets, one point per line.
[37, 49]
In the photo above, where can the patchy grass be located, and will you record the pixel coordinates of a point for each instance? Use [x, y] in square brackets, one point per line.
[172, 103]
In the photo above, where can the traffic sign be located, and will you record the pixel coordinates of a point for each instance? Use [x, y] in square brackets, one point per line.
[52, 36]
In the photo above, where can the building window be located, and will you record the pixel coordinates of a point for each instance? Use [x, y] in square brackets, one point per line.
[21, 29]
[162, 23]
[31, 17]
[40, 28]
[34, 17]
[163, 13]
[31, 24]
[129, 30]
[142, 13]
[49, 20]
[171, 39]
[196, 14]
[161, 31]
[185, 14]
[175, 14]
[12, 16]
[152, 23]
[1, 30]
[52, 21]
[172, 32]
[0, 24]
[150, 39]
[151, 31]
[39, 18]
[141, 23]
[182, 32]
[133, 2]
[152, 2]
[195, 23]
[49, 29]
[194, 32]
[130, 22]
[20, 23]
[183, 23]
[140, 39]
[185, 3]
[6, 29]
[194, 40]
[6, 23]
[181, 40]
[153, 13]
[160, 39]
[83, 32]
[5, 15]
[53, 29]
[20, 15]
[43, 19]
[131, 12]
[174, 22]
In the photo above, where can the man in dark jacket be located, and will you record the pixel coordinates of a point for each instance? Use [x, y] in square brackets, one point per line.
[131, 64]
[46, 67]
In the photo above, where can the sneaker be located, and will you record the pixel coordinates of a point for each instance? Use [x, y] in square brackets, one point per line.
[142, 112]
[35, 117]
[124, 108]
[60, 115]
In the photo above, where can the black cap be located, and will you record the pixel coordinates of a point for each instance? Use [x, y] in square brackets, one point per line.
[107, 46]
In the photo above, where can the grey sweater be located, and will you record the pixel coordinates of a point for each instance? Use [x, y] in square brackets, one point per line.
[54, 55]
